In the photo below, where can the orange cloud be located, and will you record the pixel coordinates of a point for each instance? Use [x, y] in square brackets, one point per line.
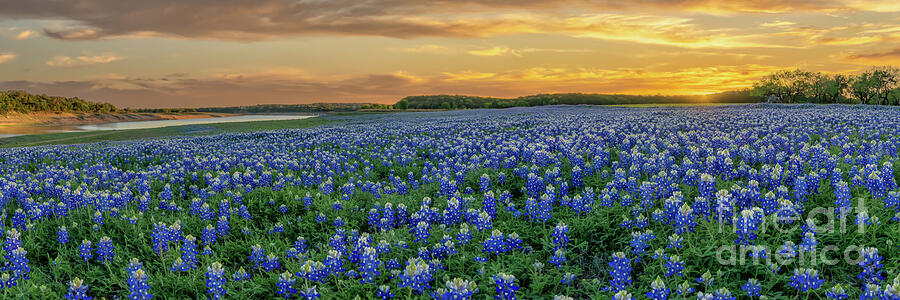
[24, 35]
[67, 61]
[6, 57]
[266, 19]
[878, 58]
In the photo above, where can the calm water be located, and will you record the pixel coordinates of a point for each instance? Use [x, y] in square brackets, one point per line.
[25, 130]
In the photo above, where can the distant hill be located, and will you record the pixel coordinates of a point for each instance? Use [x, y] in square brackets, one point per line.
[462, 101]
[24, 102]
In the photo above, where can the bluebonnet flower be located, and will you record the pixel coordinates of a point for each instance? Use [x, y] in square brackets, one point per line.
[639, 242]
[368, 266]
[684, 289]
[256, 255]
[77, 290]
[863, 217]
[892, 291]
[286, 285]
[560, 239]
[271, 263]
[215, 281]
[105, 249]
[505, 286]
[62, 235]
[384, 292]
[513, 241]
[457, 289]
[788, 250]
[222, 227]
[621, 272]
[333, 263]
[837, 293]
[483, 222]
[842, 199]
[421, 231]
[241, 274]
[724, 206]
[684, 220]
[805, 279]
[495, 244]
[568, 278]
[722, 294]
[674, 266]
[300, 244]
[871, 291]
[18, 264]
[489, 204]
[871, 266]
[188, 260]
[484, 182]
[623, 295]
[279, 228]
[138, 286]
[209, 235]
[310, 293]
[706, 279]
[809, 242]
[752, 288]
[747, 225]
[659, 253]
[416, 275]
[85, 250]
[464, 235]
[160, 238]
[674, 241]
[558, 258]
[658, 290]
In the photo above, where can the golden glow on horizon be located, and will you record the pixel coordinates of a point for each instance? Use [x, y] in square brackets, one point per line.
[147, 53]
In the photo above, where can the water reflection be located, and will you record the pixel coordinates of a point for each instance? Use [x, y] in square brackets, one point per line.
[10, 131]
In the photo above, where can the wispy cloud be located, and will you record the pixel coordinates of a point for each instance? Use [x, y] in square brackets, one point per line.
[890, 56]
[25, 34]
[70, 61]
[265, 19]
[7, 56]
[506, 51]
[427, 48]
[778, 24]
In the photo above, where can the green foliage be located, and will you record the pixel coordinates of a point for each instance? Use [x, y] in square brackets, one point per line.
[878, 85]
[286, 108]
[465, 102]
[402, 105]
[23, 102]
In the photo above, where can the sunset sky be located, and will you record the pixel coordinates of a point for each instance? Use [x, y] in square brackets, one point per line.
[192, 53]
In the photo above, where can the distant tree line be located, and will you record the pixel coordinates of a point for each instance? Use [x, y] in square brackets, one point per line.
[463, 102]
[877, 85]
[285, 108]
[161, 110]
[23, 102]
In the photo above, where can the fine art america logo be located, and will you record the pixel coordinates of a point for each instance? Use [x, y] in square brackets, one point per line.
[750, 223]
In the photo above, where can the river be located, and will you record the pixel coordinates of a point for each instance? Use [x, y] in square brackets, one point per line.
[10, 131]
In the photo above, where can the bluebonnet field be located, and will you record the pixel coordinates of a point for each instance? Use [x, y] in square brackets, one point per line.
[580, 202]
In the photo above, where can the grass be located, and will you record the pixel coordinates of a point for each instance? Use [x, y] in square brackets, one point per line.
[183, 130]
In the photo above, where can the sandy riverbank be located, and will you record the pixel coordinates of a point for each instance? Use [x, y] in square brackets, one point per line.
[62, 119]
